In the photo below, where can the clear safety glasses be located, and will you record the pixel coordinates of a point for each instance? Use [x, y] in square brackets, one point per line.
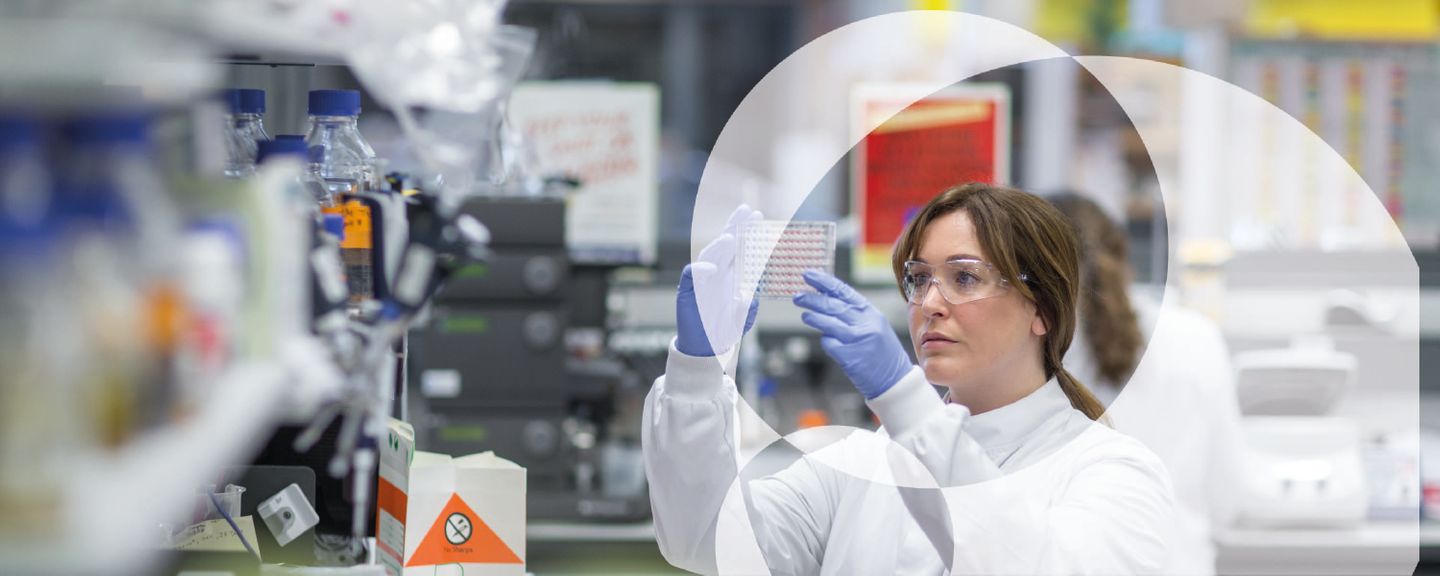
[960, 281]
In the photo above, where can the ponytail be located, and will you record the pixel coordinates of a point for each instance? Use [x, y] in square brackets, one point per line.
[1080, 397]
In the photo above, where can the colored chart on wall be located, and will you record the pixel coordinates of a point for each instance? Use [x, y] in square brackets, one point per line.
[957, 135]
[1366, 100]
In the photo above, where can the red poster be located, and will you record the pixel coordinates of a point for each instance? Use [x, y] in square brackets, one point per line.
[954, 136]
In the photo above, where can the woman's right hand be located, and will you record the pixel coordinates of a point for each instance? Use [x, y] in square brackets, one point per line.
[724, 311]
[855, 333]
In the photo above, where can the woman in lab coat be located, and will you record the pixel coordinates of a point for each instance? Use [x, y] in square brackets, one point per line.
[1022, 480]
[1180, 401]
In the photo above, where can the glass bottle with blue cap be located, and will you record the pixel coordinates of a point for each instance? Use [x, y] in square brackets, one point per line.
[345, 164]
[344, 160]
[244, 129]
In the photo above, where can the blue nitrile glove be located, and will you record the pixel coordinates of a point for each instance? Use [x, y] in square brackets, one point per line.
[855, 333]
[727, 315]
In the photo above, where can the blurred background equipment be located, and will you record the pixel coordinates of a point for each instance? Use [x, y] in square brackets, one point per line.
[1305, 467]
[493, 371]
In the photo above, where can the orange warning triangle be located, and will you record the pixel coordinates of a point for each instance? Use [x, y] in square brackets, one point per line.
[459, 535]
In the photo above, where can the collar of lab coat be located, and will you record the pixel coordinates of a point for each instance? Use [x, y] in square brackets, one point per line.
[1013, 424]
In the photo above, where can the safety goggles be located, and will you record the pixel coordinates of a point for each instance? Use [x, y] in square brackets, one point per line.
[960, 281]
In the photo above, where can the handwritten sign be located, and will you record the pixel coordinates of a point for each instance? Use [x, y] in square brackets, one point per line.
[957, 135]
[216, 536]
[607, 136]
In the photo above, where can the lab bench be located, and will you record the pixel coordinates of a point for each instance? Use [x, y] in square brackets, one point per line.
[554, 549]
[1373, 548]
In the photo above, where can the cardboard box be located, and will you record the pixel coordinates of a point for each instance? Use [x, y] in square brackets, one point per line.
[467, 511]
[397, 451]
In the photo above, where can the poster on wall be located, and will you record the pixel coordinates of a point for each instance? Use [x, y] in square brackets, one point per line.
[1360, 98]
[959, 134]
[606, 136]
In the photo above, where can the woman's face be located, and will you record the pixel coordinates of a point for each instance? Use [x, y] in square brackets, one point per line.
[980, 349]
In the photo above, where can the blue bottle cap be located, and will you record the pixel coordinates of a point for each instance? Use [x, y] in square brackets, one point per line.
[271, 148]
[391, 310]
[88, 204]
[251, 101]
[231, 98]
[335, 225]
[334, 103]
[300, 137]
[768, 387]
[18, 132]
[108, 130]
[33, 242]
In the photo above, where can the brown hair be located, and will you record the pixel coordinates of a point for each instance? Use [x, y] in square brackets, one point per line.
[1110, 323]
[1019, 232]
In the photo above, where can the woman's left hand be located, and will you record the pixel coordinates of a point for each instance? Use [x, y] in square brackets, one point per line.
[855, 333]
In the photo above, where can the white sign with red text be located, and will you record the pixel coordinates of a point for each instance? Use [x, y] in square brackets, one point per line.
[606, 135]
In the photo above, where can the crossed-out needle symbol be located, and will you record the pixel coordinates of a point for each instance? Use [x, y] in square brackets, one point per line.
[457, 528]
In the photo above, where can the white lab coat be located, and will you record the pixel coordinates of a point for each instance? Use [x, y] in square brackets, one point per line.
[1064, 495]
[1180, 402]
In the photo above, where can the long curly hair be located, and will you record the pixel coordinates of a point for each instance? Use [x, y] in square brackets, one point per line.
[1107, 317]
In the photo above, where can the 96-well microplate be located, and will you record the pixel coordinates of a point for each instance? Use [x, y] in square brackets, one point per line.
[793, 248]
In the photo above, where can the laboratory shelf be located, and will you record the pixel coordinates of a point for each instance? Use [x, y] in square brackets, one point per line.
[590, 532]
[1430, 534]
[1372, 548]
[114, 503]
[273, 58]
[1374, 534]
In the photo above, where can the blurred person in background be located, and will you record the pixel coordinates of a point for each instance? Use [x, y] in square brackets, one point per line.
[1179, 399]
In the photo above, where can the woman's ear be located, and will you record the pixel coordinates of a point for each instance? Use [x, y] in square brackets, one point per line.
[1037, 325]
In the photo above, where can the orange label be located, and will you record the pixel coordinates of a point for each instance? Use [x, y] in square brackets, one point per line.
[460, 536]
[166, 315]
[812, 419]
[391, 499]
[358, 229]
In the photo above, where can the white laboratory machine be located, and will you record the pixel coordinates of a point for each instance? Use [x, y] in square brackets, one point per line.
[1304, 464]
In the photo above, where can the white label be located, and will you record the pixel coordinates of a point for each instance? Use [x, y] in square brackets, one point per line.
[216, 536]
[391, 541]
[440, 383]
[331, 272]
[288, 514]
[419, 262]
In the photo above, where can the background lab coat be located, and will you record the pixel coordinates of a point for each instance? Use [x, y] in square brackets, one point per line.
[1181, 403]
[1076, 497]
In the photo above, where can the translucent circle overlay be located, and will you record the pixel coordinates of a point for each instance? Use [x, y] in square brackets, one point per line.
[1200, 168]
